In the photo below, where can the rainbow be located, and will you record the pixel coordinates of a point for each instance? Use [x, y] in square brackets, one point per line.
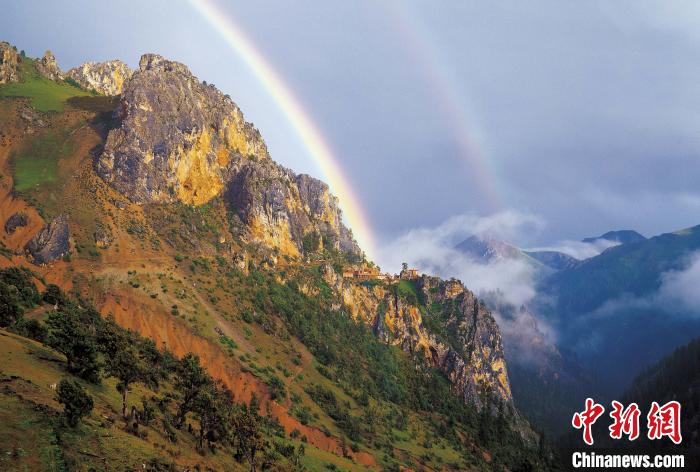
[297, 116]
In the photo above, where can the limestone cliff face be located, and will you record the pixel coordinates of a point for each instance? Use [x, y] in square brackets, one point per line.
[468, 350]
[107, 78]
[48, 67]
[182, 140]
[9, 64]
[282, 209]
[179, 139]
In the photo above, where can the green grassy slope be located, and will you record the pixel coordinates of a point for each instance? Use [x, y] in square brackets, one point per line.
[45, 95]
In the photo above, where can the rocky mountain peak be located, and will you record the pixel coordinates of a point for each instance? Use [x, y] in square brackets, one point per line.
[484, 248]
[48, 67]
[157, 63]
[182, 140]
[178, 140]
[106, 78]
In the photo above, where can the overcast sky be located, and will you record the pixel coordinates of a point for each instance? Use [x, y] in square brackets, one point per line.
[585, 114]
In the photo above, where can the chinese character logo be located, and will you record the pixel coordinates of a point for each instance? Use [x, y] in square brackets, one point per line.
[625, 421]
[665, 421]
[662, 421]
[586, 418]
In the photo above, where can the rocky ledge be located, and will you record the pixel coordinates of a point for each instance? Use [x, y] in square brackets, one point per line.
[106, 78]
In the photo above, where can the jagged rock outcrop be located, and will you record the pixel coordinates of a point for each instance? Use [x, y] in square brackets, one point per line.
[103, 235]
[179, 139]
[468, 348]
[281, 209]
[16, 220]
[106, 78]
[48, 67]
[51, 242]
[183, 140]
[9, 63]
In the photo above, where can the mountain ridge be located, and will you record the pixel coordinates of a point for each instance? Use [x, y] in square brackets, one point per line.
[236, 269]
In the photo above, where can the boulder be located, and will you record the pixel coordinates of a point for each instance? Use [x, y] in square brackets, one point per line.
[15, 221]
[51, 242]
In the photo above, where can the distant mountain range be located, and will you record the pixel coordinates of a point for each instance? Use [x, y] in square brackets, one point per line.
[607, 313]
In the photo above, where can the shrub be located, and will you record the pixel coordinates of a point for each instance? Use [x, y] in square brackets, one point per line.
[32, 329]
[10, 309]
[75, 400]
[277, 390]
[311, 242]
[53, 295]
[21, 279]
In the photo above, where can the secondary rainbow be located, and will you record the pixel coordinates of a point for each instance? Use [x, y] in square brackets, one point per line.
[448, 91]
[297, 116]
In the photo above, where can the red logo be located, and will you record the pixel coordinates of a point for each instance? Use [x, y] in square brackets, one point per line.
[661, 421]
[625, 421]
[586, 418]
[665, 421]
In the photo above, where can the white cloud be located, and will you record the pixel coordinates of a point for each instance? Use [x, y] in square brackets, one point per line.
[432, 250]
[681, 286]
[579, 249]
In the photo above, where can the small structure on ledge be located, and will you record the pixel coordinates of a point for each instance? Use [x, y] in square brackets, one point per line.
[406, 273]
